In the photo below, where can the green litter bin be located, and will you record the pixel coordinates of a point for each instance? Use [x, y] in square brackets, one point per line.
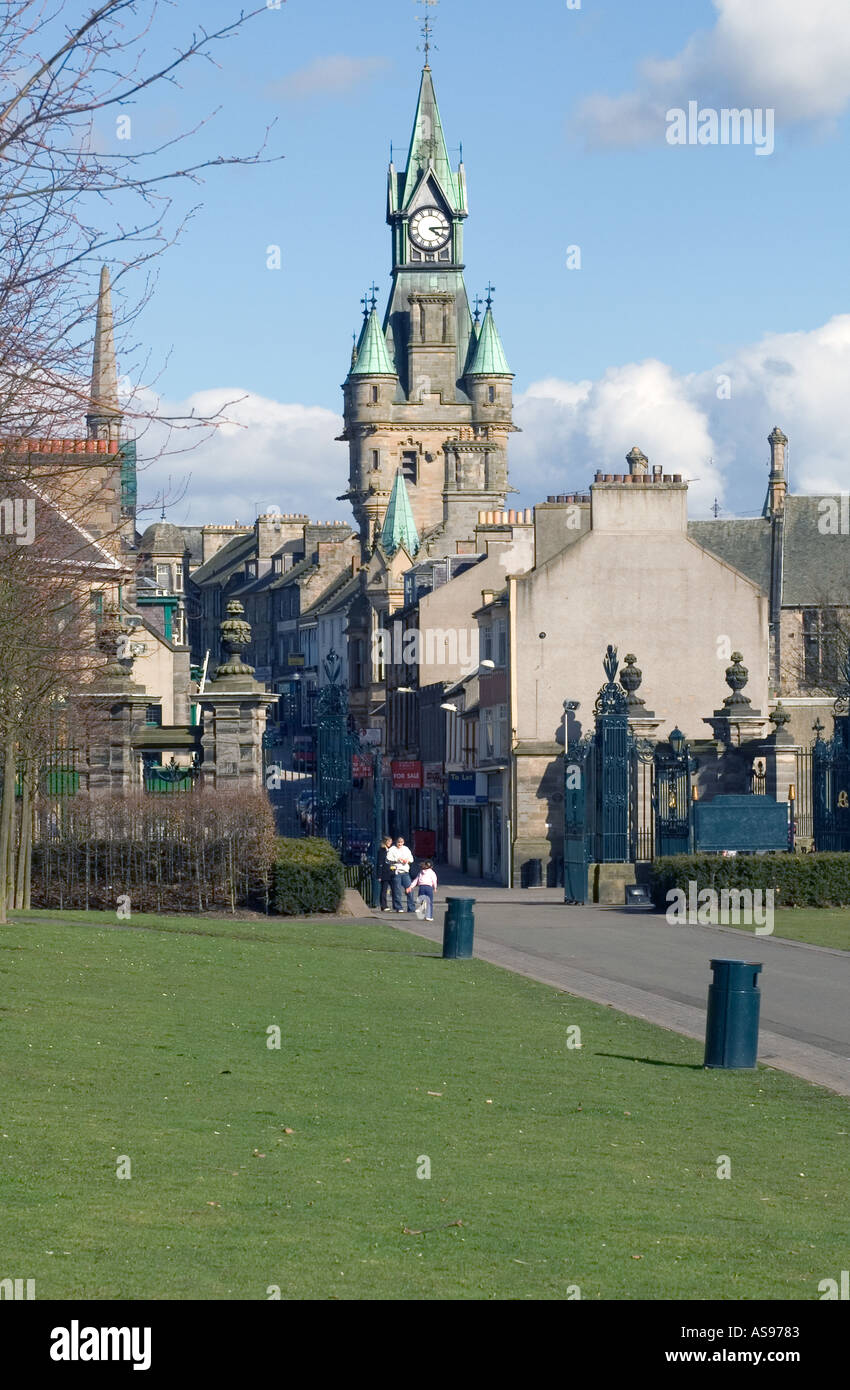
[732, 1020]
[458, 929]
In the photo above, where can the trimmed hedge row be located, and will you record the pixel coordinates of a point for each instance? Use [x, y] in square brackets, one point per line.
[798, 880]
[307, 878]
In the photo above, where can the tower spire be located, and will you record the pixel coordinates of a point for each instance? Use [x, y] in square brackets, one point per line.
[104, 416]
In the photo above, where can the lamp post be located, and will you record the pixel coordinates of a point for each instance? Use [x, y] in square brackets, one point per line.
[792, 818]
[377, 824]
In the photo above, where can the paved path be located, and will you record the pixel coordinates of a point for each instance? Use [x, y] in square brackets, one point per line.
[640, 964]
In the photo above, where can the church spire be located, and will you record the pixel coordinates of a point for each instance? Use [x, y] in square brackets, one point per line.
[104, 416]
[399, 528]
[373, 359]
[428, 147]
[489, 356]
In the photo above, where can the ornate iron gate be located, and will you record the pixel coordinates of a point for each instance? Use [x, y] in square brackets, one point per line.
[674, 768]
[598, 788]
[335, 749]
[576, 764]
[831, 774]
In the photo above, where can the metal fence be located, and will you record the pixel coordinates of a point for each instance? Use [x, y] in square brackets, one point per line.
[803, 788]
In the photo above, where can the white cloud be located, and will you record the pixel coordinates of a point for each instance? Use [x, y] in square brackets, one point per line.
[331, 76]
[784, 54]
[286, 455]
[696, 425]
[269, 453]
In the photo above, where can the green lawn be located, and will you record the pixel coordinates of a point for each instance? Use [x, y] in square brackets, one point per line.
[550, 1167]
[819, 926]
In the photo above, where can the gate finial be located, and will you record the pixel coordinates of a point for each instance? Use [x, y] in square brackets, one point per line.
[610, 665]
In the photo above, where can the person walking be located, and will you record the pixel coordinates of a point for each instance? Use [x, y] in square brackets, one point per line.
[401, 859]
[424, 886]
[385, 873]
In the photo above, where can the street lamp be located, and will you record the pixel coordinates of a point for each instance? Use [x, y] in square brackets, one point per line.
[677, 741]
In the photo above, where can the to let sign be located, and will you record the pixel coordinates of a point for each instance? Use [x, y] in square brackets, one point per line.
[360, 766]
[407, 774]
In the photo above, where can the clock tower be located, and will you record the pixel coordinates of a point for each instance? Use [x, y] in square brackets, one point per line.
[429, 394]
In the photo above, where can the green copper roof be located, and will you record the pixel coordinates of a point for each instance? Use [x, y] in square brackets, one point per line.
[428, 144]
[373, 358]
[399, 528]
[489, 358]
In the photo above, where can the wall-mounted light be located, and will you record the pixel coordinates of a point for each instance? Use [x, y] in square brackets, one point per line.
[451, 708]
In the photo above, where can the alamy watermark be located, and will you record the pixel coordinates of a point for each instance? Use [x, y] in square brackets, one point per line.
[834, 515]
[707, 125]
[724, 907]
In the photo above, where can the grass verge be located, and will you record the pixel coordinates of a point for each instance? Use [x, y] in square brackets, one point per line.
[254, 1167]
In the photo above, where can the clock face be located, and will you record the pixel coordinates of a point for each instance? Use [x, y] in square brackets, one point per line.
[429, 229]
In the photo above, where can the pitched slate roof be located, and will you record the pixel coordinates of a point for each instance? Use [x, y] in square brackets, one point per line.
[815, 565]
[231, 556]
[743, 543]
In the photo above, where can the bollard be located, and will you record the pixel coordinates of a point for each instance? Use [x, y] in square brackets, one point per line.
[458, 929]
[732, 1020]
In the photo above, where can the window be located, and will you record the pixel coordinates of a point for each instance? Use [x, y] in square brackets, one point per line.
[374, 395]
[821, 646]
[153, 716]
[178, 579]
[376, 459]
[163, 577]
[502, 658]
[491, 394]
[409, 465]
[487, 636]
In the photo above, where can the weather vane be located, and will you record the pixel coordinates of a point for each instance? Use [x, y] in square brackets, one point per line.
[365, 302]
[477, 307]
[427, 29]
[491, 290]
[374, 293]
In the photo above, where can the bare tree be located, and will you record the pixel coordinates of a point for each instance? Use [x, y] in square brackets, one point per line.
[67, 203]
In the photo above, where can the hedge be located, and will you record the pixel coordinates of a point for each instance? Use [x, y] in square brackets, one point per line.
[798, 880]
[193, 851]
[307, 878]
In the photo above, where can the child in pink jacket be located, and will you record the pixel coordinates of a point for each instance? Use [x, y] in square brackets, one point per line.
[426, 885]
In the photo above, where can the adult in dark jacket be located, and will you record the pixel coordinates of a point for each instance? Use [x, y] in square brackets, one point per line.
[385, 873]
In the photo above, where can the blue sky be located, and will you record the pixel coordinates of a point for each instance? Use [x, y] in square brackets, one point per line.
[696, 262]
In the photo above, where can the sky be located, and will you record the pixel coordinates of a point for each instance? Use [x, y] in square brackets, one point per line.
[684, 298]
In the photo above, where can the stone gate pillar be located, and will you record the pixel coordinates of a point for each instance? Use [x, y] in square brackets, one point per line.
[234, 709]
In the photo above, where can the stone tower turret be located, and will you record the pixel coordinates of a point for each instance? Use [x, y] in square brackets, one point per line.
[426, 396]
